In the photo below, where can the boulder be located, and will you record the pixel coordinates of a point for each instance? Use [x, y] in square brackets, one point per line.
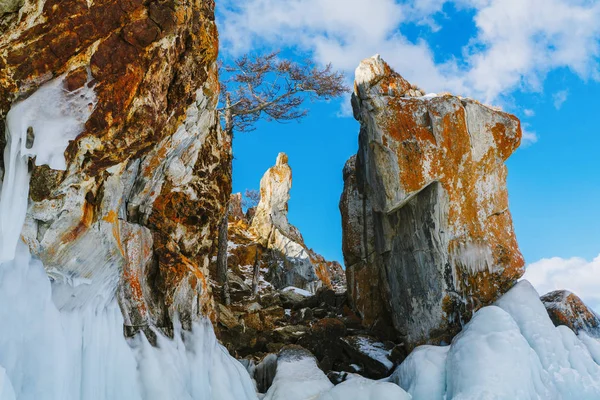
[372, 356]
[427, 235]
[566, 308]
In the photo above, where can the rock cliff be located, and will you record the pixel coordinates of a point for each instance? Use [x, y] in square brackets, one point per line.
[135, 207]
[428, 238]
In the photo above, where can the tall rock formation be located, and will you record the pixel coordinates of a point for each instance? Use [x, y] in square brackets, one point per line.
[267, 238]
[298, 266]
[428, 238]
[135, 208]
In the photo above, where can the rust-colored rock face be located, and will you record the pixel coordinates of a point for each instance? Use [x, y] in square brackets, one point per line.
[136, 210]
[428, 237]
[566, 308]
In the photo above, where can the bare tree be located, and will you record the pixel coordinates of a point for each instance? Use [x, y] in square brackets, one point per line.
[268, 87]
[222, 277]
[251, 198]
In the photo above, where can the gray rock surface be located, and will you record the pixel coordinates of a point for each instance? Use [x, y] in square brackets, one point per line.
[428, 238]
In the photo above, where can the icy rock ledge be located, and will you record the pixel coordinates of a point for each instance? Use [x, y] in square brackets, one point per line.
[508, 351]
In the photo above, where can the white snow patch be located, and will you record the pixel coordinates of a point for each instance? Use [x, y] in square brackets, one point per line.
[365, 389]
[298, 379]
[375, 350]
[296, 290]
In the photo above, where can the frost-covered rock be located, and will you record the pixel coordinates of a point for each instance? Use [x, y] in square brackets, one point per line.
[428, 238]
[365, 389]
[566, 308]
[510, 350]
[132, 173]
[299, 378]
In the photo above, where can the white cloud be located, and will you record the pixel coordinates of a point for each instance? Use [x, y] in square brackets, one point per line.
[559, 98]
[515, 43]
[528, 112]
[529, 137]
[576, 274]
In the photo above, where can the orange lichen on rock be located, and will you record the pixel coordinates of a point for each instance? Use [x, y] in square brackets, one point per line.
[86, 220]
[430, 179]
[151, 153]
[566, 308]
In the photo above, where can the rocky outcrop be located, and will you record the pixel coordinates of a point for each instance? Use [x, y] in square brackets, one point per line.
[136, 208]
[428, 238]
[290, 261]
[566, 308]
[273, 230]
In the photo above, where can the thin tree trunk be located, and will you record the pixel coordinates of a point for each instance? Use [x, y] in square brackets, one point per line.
[222, 277]
[228, 116]
[255, 273]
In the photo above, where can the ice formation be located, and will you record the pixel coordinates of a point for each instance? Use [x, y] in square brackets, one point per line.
[507, 351]
[52, 354]
[299, 378]
[38, 128]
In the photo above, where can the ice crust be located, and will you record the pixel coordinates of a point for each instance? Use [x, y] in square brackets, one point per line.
[53, 116]
[301, 379]
[82, 354]
[507, 351]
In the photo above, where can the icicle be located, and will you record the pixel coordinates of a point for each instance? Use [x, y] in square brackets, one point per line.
[39, 127]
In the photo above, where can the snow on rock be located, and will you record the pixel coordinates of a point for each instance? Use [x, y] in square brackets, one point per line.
[365, 389]
[6, 389]
[298, 376]
[296, 290]
[566, 308]
[423, 373]
[370, 348]
[510, 350]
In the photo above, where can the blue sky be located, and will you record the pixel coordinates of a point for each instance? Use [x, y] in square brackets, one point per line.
[537, 59]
